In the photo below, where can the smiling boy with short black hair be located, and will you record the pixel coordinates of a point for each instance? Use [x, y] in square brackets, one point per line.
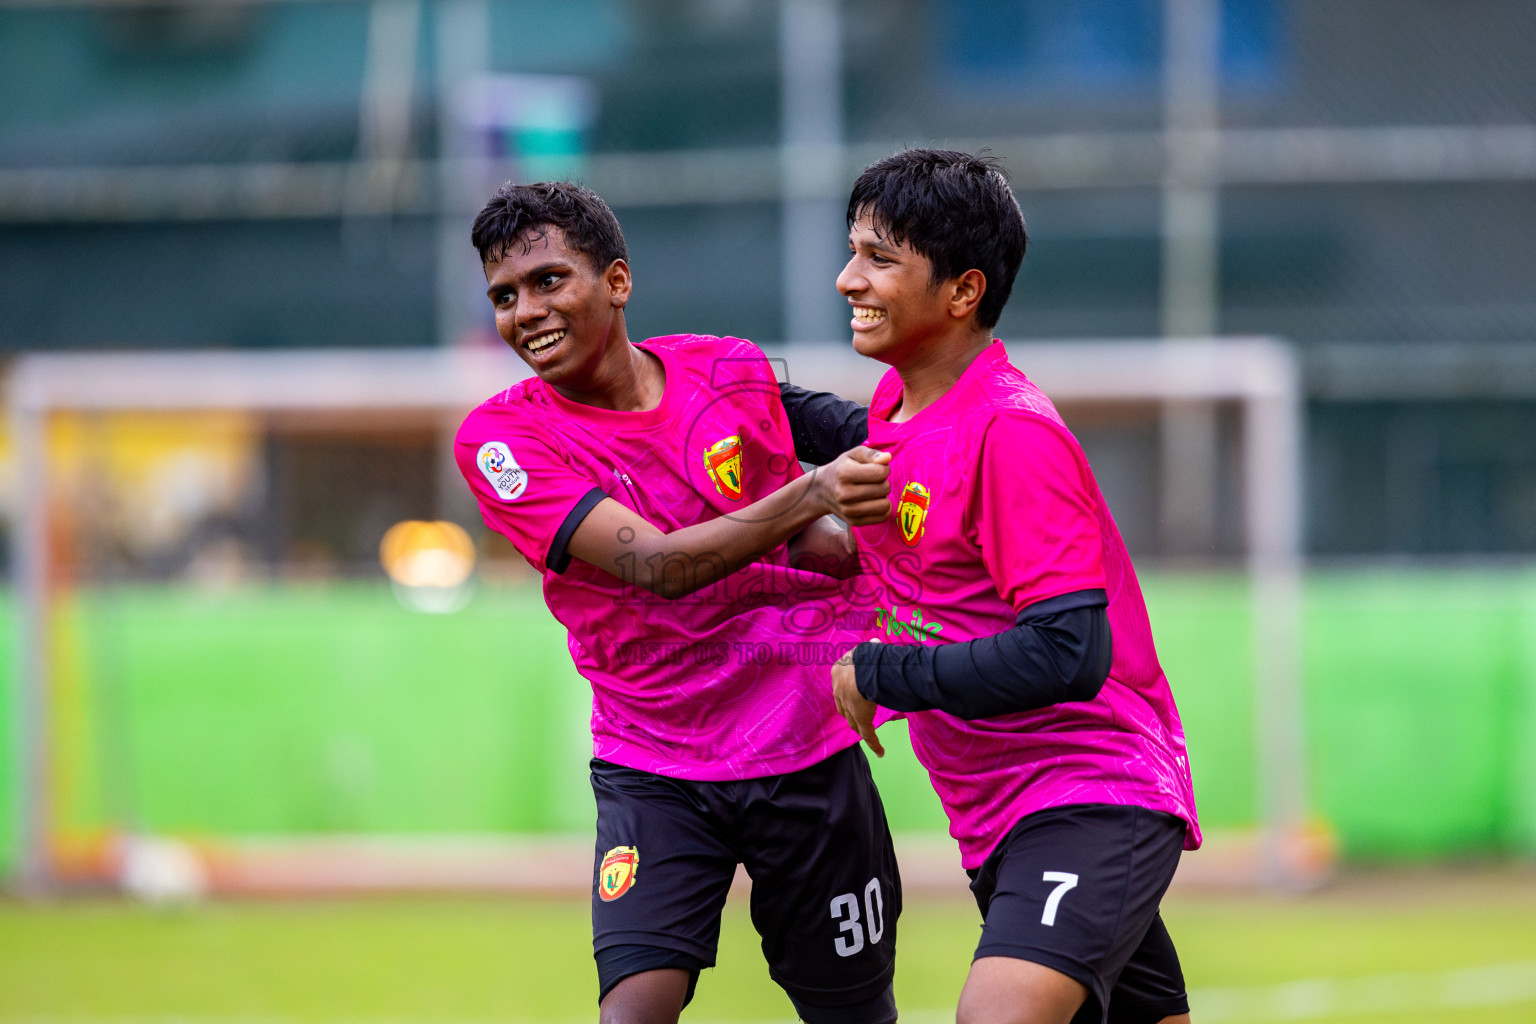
[622, 471]
[1011, 630]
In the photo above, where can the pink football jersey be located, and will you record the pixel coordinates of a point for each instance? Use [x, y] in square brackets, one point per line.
[996, 509]
[730, 682]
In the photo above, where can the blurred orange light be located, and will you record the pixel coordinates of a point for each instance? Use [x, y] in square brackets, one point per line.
[418, 553]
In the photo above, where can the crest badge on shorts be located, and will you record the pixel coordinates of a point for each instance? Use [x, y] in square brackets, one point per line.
[723, 461]
[912, 512]
[617, 874]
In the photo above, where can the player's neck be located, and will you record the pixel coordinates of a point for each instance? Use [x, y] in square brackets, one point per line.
[933, 370]
[626, 379]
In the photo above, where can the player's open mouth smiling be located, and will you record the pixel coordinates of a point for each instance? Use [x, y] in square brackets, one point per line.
[540, 342]
[866, 317]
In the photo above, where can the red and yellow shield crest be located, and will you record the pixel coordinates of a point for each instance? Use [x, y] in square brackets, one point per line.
[912, 511]
[617, 874]
[723, 461]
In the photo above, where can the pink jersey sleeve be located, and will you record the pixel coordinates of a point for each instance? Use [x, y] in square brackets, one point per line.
[1034, 511]
[525, 488]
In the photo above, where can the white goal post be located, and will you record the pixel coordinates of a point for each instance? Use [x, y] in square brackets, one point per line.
[1258, 374]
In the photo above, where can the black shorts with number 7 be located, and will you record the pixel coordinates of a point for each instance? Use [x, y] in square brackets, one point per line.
[1077, 889]
[825, 889]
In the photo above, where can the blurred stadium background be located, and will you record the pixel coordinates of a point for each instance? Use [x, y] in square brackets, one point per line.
[230, 667]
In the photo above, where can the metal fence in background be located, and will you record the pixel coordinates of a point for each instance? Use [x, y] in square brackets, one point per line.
[1336, 172]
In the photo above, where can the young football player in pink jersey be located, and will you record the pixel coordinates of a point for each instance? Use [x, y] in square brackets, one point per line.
[654, 487]
[1012, 631]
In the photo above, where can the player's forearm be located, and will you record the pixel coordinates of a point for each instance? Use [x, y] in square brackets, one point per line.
[676, 564]
[1058, 651]
[823, 425]
[825, 547]
[613, 538]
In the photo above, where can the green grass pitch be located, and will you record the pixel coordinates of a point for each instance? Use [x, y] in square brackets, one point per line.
[524, 961]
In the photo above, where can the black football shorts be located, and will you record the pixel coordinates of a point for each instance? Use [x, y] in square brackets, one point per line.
[1077, 889]
[825, 890]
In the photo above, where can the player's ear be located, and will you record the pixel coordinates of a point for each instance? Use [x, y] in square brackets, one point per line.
[966, 294]
[619, 283]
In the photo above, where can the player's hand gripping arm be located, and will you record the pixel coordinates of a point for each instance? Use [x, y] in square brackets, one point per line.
[855, 487]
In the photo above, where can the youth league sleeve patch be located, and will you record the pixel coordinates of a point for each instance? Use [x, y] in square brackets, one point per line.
[507, 478]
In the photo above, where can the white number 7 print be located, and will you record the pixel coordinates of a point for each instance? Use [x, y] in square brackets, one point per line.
[1064, 880]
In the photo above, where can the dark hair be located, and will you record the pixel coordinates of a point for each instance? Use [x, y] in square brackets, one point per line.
[954, 208]
[519, 213]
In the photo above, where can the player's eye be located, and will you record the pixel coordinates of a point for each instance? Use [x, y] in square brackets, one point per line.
[548, 280]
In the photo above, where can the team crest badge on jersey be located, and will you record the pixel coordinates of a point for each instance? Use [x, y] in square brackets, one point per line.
[507, 478]
[617, 874]
[912, 512]
[723, 461]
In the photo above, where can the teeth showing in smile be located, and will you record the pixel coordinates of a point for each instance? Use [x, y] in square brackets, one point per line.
[865, 315]
[544, 341]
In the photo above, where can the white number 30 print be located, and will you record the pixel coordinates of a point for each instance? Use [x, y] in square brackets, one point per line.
[845, 909]
[1064, 880]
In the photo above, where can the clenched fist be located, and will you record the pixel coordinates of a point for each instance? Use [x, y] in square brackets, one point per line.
[856, 486]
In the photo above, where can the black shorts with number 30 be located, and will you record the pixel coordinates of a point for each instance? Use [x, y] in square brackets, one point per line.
[1077, 889]
[825, 890]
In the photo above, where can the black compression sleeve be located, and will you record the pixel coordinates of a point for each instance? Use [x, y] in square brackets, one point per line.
[823, 425]
[1059, 650]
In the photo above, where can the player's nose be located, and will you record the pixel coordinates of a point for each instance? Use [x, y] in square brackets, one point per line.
[850, 282]
[529, 311]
